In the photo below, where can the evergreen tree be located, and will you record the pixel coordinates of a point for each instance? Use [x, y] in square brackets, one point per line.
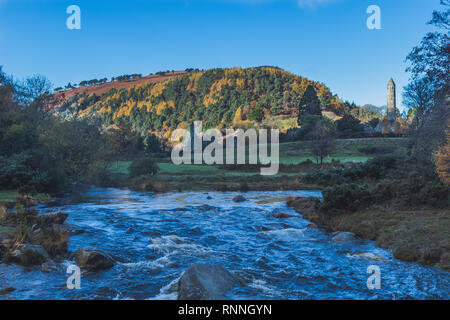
[309, 104]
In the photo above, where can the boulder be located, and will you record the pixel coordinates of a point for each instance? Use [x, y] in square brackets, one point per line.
[93, 260]
[281, 215]
[6, 240]
[53, 218]
[205, 282]
[343, 237]
[239, 198]
[64, 228]
[29, 254]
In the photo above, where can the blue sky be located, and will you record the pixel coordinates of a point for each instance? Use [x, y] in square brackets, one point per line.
[324, 40]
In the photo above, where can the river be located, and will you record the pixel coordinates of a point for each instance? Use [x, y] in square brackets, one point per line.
[156, 237]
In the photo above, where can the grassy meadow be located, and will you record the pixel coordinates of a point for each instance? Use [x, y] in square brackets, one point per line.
[292, 154]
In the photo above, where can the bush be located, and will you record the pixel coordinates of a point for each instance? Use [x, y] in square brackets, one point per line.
[143, 166]
[345, 197]
[380, 166]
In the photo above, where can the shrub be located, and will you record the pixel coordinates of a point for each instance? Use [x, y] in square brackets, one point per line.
[143, 166]
[380, 166]
[345, 197]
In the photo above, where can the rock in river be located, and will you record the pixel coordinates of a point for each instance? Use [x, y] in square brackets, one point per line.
[239, 198]
[6, 291]
[93, 260]
[281, 215]
[28, 255]
[205, 282]
[343, 237]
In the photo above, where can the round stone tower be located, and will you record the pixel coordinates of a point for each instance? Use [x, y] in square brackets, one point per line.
[391, 110]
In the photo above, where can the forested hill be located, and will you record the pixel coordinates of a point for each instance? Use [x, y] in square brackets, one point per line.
[253, 97]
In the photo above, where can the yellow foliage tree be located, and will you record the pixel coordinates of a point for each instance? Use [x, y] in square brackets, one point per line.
[237, 117]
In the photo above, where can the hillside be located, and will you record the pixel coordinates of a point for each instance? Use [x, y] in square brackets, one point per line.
[58, 98]
[253, 97]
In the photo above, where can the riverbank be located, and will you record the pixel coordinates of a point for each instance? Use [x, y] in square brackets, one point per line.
[27, 238]
[418, 236]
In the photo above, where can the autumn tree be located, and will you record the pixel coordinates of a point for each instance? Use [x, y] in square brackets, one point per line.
[237, 117]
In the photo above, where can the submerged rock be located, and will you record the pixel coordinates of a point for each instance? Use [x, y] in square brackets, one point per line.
[261, 228]
[370, 256]
[48, 267]
[205, 282]
[6, 291]
[239, 198]
[281, 215]
[343, 237]
[205, 207]
[29, 254]
[93, 260]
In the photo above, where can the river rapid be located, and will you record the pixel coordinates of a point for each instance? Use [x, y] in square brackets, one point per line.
[155, 237]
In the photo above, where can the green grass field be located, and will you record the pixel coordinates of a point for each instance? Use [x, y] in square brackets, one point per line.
[348, 150]
[208, 177]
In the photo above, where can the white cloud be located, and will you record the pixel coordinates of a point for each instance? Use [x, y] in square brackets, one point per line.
[312, 4]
